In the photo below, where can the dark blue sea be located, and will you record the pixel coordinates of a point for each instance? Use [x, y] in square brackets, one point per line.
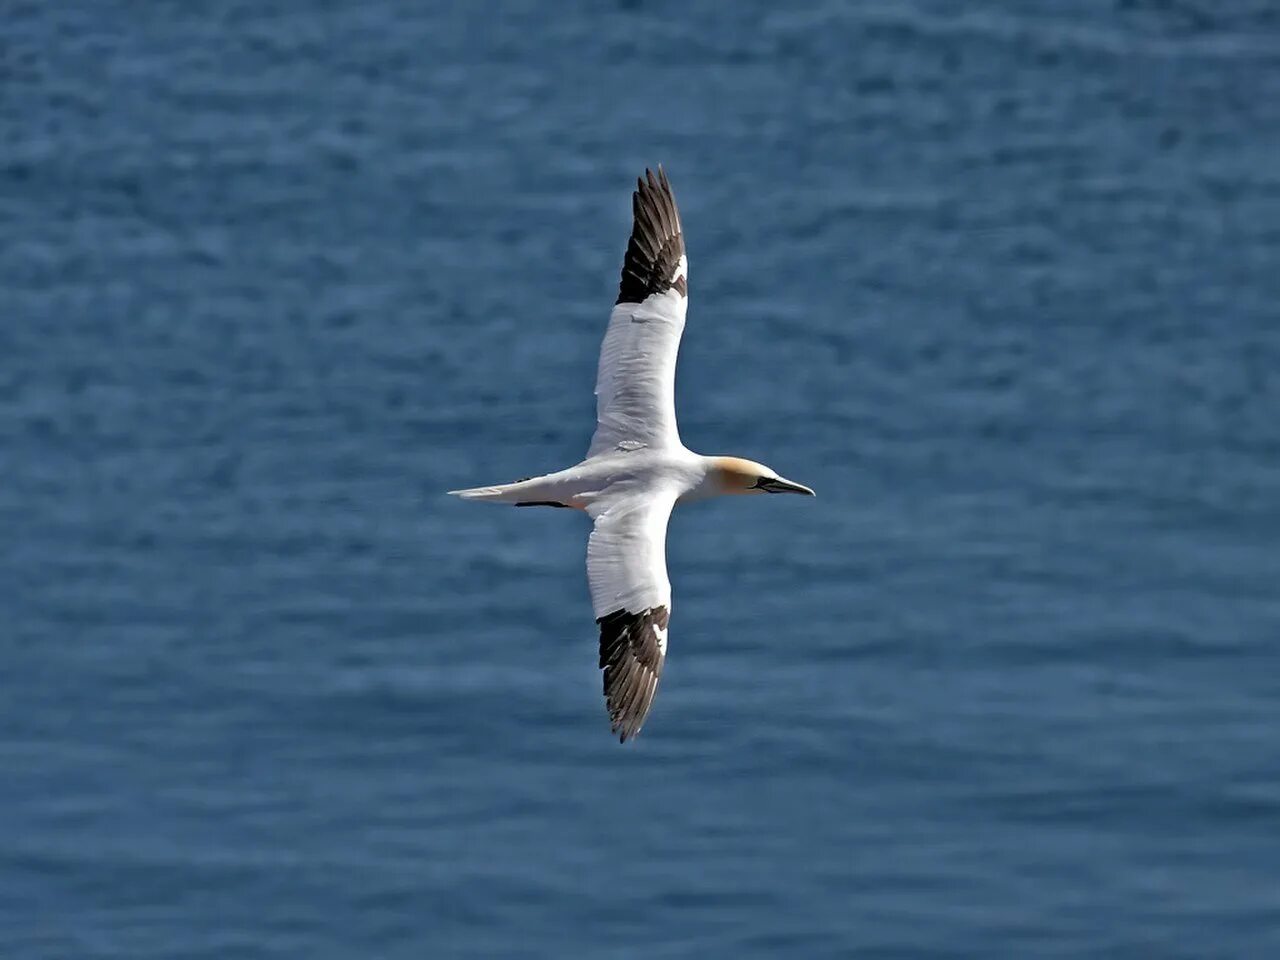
[1000, 280]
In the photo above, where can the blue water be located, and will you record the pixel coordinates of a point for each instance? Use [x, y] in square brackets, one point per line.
[1002, 285]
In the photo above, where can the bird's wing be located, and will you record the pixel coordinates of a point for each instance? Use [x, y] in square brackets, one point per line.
[635, 382]
[627, 570]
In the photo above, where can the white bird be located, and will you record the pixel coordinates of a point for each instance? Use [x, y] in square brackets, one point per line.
[636, 469]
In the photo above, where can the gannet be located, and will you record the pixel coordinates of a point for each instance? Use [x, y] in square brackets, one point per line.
[636, 469]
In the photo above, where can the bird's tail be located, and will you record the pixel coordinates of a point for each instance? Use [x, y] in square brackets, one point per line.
[531, 491]
[498, 493]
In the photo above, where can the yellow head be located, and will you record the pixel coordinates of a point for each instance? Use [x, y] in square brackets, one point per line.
[736, 475]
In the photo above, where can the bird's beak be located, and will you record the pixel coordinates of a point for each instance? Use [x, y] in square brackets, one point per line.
[782, 485]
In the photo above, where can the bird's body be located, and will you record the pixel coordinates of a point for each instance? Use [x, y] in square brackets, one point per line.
[637, 469]
[608, 475]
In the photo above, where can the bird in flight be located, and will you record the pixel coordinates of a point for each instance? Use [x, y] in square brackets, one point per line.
[637, 469]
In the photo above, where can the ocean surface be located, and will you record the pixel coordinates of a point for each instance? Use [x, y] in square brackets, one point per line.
[1000, 280]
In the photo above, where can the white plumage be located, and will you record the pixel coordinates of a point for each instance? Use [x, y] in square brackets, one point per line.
[636, 380]
[636, 469]
[627, 551]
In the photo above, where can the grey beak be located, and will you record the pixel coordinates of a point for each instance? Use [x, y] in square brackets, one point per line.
[781, 485]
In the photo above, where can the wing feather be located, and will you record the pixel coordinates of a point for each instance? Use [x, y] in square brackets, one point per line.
[631, 595]
[635, 381]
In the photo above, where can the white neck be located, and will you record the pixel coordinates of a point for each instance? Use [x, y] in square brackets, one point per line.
[707, 483]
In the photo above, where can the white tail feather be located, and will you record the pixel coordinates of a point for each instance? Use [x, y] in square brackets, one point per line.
[546, 489]
[498, 493]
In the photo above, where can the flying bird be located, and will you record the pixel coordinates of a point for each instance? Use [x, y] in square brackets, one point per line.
[636, 469]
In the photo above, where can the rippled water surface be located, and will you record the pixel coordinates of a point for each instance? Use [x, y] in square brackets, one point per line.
[1001, 285]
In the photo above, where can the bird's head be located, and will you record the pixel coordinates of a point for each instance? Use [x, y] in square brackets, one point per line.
[736, 475]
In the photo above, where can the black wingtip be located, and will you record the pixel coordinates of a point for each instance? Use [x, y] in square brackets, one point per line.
[631, 656]
[657, 241]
